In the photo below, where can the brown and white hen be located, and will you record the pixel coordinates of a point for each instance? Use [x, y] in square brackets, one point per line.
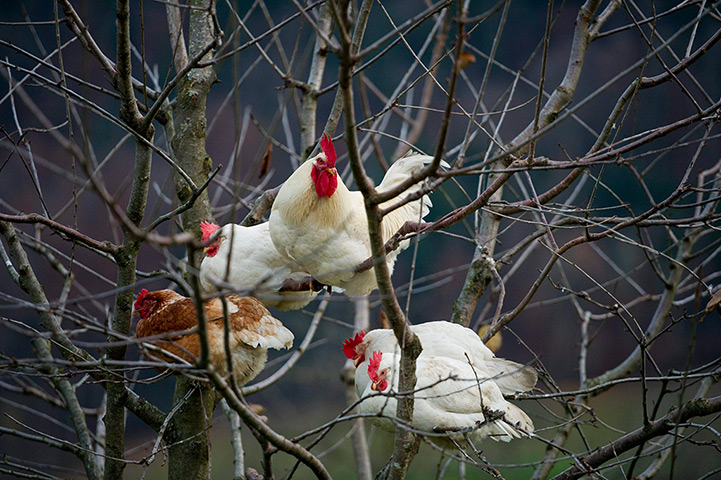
[253, 330]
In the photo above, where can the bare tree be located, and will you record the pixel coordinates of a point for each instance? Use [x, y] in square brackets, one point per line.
[579, 219]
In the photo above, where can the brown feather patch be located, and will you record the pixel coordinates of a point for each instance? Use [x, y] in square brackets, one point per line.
[250, 323]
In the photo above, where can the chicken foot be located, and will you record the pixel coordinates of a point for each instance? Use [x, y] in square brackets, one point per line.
[307, 283]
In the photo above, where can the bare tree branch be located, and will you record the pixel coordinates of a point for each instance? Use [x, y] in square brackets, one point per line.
[694, 408]
[594, 228]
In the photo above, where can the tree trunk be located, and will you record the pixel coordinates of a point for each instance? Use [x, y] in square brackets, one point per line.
[190, 458]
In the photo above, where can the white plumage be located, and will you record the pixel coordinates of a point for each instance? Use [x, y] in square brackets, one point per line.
[448, 401]
[443, 339]
[324, 228]
[256, 267]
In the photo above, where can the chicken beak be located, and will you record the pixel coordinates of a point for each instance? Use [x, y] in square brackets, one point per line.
[360, 354]
[210, 246]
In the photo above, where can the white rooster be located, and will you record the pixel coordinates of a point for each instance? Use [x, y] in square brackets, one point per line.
[451, 398]
[256, 267]
[322, 225]
[442, 339]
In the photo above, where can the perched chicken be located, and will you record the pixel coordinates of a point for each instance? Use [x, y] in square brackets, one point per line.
[442, 339]
[253, 330]
[320, 224]
[256, 267]
[449, 401]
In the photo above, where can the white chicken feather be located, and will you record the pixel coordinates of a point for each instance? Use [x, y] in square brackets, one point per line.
[442, 339]
[256, 267]
[448, 401]
[319, 223]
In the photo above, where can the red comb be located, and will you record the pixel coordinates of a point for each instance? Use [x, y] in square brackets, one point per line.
[326, 144]
[208, 229]
[350, 343]
[139, 299]
[374, 364]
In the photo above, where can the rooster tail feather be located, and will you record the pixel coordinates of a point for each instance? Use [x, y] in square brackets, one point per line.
[412, 211]
[402, 169]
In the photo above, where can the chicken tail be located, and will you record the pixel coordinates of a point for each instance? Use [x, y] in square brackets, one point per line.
[405, 167]
[515, 423]
[412, 211]
[511, 377]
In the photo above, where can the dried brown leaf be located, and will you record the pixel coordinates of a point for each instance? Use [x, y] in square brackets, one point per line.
[265, 164]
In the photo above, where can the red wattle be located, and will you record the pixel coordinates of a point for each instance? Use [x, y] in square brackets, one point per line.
[325, 181]
[332, 182]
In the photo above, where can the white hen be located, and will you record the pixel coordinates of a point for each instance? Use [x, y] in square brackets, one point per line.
[322, 225]
[448, 400]
[256, 267]
[442, 339]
